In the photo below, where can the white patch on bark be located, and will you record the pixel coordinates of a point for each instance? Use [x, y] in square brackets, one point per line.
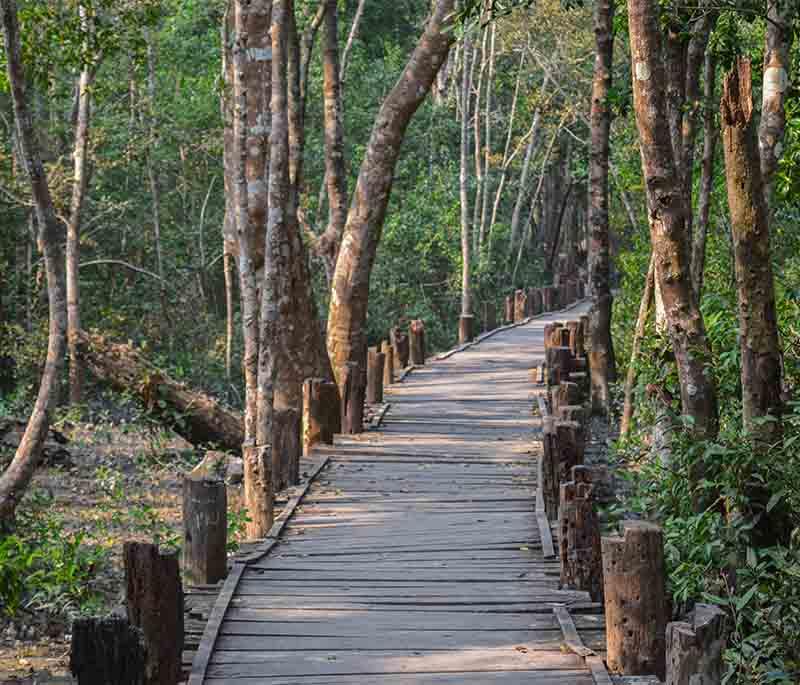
[256, 187]
[642, 71]
[775, 82]
[259, 54]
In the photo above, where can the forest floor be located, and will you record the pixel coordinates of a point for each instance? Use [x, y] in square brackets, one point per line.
[120, 483]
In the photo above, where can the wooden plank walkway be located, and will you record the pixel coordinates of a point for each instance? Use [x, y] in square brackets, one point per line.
[415, 557]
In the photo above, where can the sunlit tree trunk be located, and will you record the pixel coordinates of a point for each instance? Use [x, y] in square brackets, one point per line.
[601, 351]
[761, 361]
[487, 142]
[668, 211]
[350, 291]
[466, 86]
[18, 474]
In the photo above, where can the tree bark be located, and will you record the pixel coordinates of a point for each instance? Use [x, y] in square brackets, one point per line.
[350, 291]
[776, 84]
[17, 476]
[601, 351]
[668, 213]
[706, 177]
[335, 177]
[761, 359]
[487, 141]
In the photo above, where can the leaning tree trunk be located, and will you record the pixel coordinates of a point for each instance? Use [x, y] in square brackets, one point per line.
[668, 213]
[350, 291]
[776, 84]
[17, 476]
[466, 87]
[761, 359]
[601, 351]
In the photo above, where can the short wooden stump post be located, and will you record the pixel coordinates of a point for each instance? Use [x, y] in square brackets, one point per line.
[388, 364]
[695, 647]
[322, 417]
[154, 598]
[568, 393]
[107, 650]
[550, 469]
[520, 305]
[508, 310]
[576, 333]
[399, 341]
[536, 301]
[489, 316]
[466, 326]
[286, 447]
[635, 600]
[352, 381]
[375, 362]
[581, 562]
[572, 412]
[559, 364]
[259, 493]
[205, 529]
[571, 443]
[416, 335]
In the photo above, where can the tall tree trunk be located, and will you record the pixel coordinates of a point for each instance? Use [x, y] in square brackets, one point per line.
[466, 87]
[487, 142]
[641, 323]
[601, 351]
[761, 360]
[79, 186]
[350, 291]
[17, 476]
[706, 177]
[668, 211]
[776, 84]
[335, 177]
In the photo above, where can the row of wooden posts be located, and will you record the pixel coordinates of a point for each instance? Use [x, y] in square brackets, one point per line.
[144, 647]
[626, 572]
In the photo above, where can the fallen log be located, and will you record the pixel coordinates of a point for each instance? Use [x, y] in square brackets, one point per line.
[193, 415]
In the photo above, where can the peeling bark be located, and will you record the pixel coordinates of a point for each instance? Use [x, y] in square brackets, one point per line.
[761, 360]
[17, 476]
[668, 212]
[350, 291]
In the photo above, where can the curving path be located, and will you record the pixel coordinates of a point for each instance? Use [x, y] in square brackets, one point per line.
[415, 557]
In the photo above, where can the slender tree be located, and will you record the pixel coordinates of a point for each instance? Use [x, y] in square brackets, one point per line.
[601, 351]
[466, 295]
[17, 476]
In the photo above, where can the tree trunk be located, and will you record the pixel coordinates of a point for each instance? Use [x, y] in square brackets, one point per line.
[17, 476]
[761, 359]
[776, 84]
[335, 175]
[466, 87]
[196, 417]
[350, 291]
[487, 142]
[79, 185]
[107, 650]
[668, 213]
[641, 323]
[706, 177]
[601, 351]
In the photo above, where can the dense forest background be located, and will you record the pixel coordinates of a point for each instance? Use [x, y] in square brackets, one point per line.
[152, 266]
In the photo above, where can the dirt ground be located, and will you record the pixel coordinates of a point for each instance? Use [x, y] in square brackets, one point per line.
[119, 484]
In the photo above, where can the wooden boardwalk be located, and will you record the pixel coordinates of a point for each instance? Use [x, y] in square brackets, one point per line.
[415, 557]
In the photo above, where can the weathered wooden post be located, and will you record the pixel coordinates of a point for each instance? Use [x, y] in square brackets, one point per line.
[286, 447]
[635, 600]
[416, 337]
[572, 412]
[205, 528]
[581, 379]
[520, 306]
[509, 309]
[466, 328]
[388, 365]
[581, 561]
[695, 647]
[489, 316]
[568, 393]
[559, 365]
[550, 469]
[322, 415]
[576, 337]
[107, 650]
[571, 442]
[536, 301]
[352, 399]
[154, 599]
[375, 362]
[399, 341]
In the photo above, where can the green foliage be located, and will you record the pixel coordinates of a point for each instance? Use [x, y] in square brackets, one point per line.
[44, 566]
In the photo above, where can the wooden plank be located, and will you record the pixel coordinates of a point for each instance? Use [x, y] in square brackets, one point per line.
[571, 637]
[561, 677]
